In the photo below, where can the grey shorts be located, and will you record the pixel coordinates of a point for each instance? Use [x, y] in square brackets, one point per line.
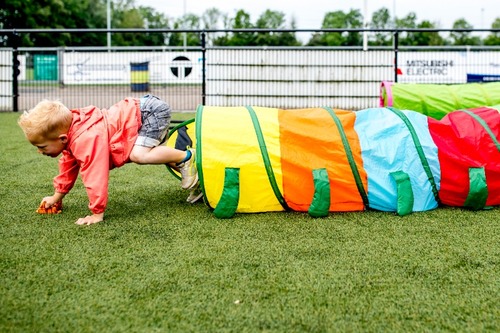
[155, 115]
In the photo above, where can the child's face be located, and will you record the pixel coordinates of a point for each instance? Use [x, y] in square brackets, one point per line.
[49, 147]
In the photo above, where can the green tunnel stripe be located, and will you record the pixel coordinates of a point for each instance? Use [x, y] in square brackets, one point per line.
[350, 158]
[265, 157]
[485, 126]
[228, 202]
[199, 151]
[405, 198]
[320, 204]
[420, 152]
[478, 189]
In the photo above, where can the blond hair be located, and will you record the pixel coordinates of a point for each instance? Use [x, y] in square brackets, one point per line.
[48, 119]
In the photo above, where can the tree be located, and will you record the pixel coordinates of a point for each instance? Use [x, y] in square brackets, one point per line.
[82, 14]
[415, 38]
[463, 37]
[186, 22]
[381, 19]
[240, 21]
[33, 14]
[427, 38]
[154, 20]
[274, 20]
[212, 18]
[127, 16]
[339, 20]
[494, 37]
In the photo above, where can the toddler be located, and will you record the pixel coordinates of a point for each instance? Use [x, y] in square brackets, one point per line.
[93, 141]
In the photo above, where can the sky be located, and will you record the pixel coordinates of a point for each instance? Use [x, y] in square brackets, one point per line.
[309, 14]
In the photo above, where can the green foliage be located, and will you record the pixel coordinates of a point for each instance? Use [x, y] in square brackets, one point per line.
[494, 37]
[126, 15]
[428, 38]
[463, 37]
[274, 20]
[420, 38]
[268, 20]
[240, 21]
[339, 20]
[381, 19]
[41, 14]
[189, 22]
[158, 264]
[85, 14]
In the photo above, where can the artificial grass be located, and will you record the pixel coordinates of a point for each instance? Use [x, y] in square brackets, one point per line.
[158, 264]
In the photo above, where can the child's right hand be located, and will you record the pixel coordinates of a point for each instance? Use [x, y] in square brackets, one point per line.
[54, 209]
[51, 205]
[49, 201]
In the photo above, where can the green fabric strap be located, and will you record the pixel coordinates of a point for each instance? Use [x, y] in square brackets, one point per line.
[321, 200]
[404, 192]
[170, 133]
[420, 152]
[350, 158]
[478, 189]
[228, 202]
[485, 126]
[199, 151]
[265, 158]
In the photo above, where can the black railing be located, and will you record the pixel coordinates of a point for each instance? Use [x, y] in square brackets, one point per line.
[288, 77]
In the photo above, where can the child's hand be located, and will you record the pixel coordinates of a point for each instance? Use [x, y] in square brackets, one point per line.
[91, 219]
[50, 201]
[55, 208]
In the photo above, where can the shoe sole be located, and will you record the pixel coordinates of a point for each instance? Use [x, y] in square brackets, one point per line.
[195, 199]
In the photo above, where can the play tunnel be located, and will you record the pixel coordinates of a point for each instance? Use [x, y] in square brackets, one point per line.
[437, 100]
[322, 160]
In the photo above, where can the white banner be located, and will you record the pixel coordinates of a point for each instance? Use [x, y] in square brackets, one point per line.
[447, 67]
[429, 67]
[115, 67]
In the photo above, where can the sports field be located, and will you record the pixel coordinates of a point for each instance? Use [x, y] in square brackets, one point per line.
[158, 264]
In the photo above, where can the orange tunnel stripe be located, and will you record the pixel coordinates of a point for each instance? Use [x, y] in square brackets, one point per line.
[310, 140]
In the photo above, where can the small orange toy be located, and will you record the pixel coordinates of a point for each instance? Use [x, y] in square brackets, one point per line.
[54, 209]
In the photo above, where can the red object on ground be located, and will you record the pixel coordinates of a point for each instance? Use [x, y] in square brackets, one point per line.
[54, 209]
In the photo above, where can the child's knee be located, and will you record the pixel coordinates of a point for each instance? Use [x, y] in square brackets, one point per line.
[137, 156]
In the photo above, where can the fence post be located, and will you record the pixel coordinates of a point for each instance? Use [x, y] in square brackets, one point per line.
[203, 67]
[396, 42]
[15, 71]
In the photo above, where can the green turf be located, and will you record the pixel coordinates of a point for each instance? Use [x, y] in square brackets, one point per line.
[158, 264]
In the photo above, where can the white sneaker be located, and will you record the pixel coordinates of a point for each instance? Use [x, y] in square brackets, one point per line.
[195, 194]
[189, 172]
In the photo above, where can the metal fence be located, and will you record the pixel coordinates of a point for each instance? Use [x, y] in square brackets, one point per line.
[283, 77]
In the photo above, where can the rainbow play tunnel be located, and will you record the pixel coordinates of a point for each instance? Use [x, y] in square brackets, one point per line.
[321, 160]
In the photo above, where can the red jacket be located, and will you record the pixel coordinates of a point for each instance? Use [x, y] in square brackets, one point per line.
[98, 141]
